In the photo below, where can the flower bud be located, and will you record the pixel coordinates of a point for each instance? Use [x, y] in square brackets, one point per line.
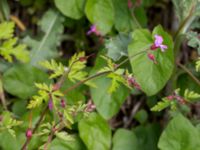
[62, 103]
[29, 133]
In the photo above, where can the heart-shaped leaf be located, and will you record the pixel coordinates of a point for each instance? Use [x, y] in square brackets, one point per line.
[151, 77]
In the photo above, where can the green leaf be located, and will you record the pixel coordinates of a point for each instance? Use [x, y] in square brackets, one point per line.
[198, 65]
[183, 8]
[71, 8]
[19, 80]
[95, 132]
[123, 20]
[75, 95]
[75, 144]
[141, 116]
[4, 9]
[180, 134]
[8, 142]
[191, 95]
[100, 13]
[6, 30]
[150, 76]
[57, 68]
[125, 139]
[44, 46]
[118, 46]
[10, 48]
[161, 105]
[193, 40]
[148, 136]
[107, 104]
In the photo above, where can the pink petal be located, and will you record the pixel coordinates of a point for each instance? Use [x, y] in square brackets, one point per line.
[163, 47]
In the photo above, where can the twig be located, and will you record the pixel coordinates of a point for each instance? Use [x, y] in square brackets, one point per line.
[188, 72]
[35, 128]
[133, 112]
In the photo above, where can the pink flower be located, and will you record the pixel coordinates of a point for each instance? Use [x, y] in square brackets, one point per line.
[158, 43]
[90, 106]
[93, 29]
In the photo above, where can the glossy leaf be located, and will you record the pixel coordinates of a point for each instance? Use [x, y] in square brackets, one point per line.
[107, 104]
[19, 80]
[71, 8]
[97, 12]
[95, 132]
[125, 139]
[179, 134]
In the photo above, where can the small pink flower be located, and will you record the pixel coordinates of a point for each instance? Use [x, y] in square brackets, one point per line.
[170, 97]
[29, 133]
[158, 43]
[132, 82]
[90, 106]
[93, 29]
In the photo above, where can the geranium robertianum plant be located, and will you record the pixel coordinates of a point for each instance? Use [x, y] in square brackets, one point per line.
[100, 75]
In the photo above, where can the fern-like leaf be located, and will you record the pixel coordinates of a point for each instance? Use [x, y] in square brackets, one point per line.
[161, 105]
[57, 68]
[191, 95]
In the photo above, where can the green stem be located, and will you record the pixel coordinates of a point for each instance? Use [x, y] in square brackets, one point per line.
[101, 73]
[189, 73]
[59, 84]
[135, 19]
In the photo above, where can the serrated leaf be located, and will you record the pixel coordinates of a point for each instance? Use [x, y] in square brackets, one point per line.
[71, 8]
[44, 46]
[10, 48]
[161, 105]
[150, 76]
[6, 30]
[180, 134]
[92, 127]
[57, 68]
[76, 67]
[118, 46]
[97, 12]
[191, 95]
[64, 136]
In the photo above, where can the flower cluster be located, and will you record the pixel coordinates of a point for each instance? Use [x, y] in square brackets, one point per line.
[158, 43]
